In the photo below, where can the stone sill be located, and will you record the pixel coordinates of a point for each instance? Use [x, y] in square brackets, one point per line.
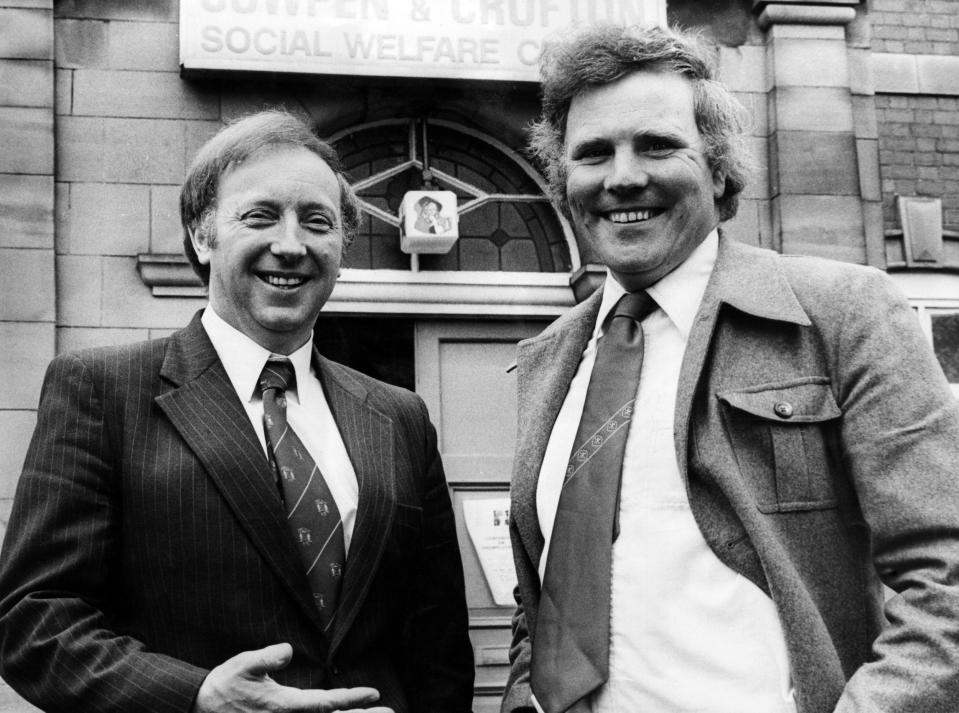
[400, 292]
[898, 260]
[915, 74]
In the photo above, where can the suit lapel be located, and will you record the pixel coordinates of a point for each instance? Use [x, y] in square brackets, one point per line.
[206, 411]
[368, 436]
[546, 366]
[750, 280]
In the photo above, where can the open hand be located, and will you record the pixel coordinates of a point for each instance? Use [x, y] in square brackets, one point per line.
[242, 684]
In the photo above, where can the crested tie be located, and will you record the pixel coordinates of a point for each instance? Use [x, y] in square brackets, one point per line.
[311, 512]
[570, 656]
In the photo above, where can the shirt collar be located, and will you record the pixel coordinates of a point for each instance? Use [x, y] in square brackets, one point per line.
[678, 294]
[243, 359]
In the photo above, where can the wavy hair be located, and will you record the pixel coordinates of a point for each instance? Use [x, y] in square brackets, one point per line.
[602, 54]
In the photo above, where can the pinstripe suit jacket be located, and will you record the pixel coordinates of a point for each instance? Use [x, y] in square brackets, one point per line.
[147, 542]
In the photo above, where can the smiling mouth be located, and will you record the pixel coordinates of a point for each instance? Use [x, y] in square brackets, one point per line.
[633, 216]
[283, 282]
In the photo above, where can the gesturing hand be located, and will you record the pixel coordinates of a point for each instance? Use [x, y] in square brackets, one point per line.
[242, 684]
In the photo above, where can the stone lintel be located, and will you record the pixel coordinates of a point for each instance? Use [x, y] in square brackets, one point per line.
[796, 14]
[915, 74]
[760, 5]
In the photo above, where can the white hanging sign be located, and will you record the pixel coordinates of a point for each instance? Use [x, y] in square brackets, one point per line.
[487, 522]
[455, 39]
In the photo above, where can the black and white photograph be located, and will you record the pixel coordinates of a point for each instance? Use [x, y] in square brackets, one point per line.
[479, 356]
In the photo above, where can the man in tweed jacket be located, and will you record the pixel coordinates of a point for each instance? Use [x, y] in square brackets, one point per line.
[792, 444]
[148, 565]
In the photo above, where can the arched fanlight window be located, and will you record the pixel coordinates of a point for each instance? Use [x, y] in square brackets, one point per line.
[506, 222]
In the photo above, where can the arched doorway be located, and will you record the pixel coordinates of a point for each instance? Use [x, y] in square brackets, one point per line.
[447, 326]
[506, 221]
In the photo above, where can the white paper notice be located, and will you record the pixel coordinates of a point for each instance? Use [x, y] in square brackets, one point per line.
[487, 521]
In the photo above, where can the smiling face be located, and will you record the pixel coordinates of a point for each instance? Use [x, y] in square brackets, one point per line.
[276, 247]
[640, 189]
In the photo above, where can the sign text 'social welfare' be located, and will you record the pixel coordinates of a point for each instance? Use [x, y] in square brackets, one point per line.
[475, 39]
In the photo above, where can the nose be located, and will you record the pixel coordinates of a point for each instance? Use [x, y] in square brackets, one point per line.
[627, 172]
[287, 244]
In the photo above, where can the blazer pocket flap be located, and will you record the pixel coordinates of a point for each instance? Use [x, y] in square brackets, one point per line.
[807, 401]
[410, 516]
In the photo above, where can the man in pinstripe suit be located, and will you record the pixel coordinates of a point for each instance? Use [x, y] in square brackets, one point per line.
[148, 565]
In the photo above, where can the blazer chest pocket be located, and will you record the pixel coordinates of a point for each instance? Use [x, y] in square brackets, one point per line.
[407, 529]
[783, 437]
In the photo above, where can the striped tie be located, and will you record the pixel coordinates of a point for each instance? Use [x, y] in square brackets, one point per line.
[311, 512]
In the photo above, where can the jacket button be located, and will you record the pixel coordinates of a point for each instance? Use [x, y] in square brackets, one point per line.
[335, 670]
[783, 409]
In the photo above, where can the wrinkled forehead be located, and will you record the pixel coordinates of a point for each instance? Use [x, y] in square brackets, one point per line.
[641, 101]
[290, 173]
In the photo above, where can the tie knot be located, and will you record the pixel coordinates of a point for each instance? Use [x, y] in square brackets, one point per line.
[278, 373]
[637, 305]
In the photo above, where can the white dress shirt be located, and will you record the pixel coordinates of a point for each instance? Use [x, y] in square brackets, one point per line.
[687, 633]
[307, 411]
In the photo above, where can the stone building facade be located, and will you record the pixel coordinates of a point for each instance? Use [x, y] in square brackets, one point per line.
[855, 107]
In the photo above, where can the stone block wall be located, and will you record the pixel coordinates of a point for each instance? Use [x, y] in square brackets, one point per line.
[27, 262]
[27, 279]
[126, 127]
[743, 69]
[824, 189]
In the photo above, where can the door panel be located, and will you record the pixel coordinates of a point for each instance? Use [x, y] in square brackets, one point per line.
[463, 374]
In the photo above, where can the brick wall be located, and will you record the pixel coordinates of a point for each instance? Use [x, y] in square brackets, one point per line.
[919, 130]
[919, 152]
[915, 26]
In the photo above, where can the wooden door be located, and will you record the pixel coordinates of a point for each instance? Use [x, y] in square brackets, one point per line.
[463, 373]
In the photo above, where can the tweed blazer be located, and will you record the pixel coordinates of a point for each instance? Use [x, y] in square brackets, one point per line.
[147, 542]
[819, 445]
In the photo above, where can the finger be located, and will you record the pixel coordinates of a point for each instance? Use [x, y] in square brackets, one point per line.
[347, 698]
[256, 664]
[334, 699]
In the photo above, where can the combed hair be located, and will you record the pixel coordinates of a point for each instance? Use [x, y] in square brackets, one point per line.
[602, 54]
[240, 141]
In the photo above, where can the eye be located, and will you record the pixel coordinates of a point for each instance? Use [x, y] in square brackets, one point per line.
[657, 146]
[259, 218]
[590, 153]
[318, 222]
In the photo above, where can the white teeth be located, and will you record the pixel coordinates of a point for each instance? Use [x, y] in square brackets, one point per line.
[278, 281]
[630, 216]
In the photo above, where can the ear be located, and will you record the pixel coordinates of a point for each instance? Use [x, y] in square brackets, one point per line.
[719, 184]
[202, 245]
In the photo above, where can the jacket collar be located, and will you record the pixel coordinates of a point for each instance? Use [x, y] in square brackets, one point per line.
[753, 281]
[189, 353]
